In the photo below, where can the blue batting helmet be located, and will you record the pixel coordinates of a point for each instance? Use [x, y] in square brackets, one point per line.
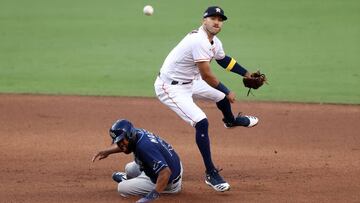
[121, 129]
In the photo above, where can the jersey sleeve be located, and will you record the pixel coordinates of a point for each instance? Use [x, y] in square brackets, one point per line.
[201, 51]
[220, 54]
[153, 158]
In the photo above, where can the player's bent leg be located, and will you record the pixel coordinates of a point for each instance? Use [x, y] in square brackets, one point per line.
[140, 186]
[204, 91]
[225, 107]
[230, 121]
[213, 177]
[179, 99]
[187, 110]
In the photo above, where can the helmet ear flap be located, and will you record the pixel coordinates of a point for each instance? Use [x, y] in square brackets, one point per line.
[131, 135]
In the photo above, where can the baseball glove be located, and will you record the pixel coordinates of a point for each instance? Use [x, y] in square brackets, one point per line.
[255, 81]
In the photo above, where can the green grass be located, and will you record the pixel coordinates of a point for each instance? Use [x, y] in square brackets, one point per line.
[307, 48]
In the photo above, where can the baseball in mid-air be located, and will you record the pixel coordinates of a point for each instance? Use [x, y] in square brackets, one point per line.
[148, 10]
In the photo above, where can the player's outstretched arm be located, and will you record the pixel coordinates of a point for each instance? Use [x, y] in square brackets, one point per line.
[106, 152]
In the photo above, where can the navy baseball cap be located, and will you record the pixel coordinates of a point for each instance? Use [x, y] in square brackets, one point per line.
[214, 11]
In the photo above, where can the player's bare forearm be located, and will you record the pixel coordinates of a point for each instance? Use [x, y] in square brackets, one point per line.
[161, 183]
[106, 152]
[206, 73]
[163, 179]
[209, 78]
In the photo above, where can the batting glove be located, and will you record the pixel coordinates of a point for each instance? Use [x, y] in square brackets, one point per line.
[149, 197]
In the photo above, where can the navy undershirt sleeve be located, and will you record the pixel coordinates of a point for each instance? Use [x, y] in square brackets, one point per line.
[230, 64]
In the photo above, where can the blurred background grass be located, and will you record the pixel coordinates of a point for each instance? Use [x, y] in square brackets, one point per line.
[309, 49]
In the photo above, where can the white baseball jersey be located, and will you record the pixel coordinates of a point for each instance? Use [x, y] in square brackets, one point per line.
[180, 64]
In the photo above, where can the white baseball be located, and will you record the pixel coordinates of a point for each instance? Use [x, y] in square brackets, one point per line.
[148, 10]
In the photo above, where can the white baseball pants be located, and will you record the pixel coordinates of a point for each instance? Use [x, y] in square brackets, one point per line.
[180, 97]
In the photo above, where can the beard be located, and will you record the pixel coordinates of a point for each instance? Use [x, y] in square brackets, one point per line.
[212, 30]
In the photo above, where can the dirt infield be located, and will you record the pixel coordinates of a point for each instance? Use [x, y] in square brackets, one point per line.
[297, 153]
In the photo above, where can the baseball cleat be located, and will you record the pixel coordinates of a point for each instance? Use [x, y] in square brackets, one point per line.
[119, 176]
[214, 180]
[240, 120]
[253, 121]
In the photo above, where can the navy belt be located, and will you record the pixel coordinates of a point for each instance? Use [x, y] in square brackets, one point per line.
[174, 82]
[176, 179]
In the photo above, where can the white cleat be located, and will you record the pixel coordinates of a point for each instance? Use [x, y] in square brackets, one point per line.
[214, 180]
[253, 121]
[240, 121]
[219, 187]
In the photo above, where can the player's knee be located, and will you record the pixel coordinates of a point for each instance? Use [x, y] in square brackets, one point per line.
[200, 116]
[123, 190]
[223, 101]
[202, 125]
[132, 170]
[128, 167]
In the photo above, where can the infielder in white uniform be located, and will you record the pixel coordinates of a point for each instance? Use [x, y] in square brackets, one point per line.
[186, 75]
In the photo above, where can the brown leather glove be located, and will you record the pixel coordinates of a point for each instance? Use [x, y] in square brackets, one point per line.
[255, 80]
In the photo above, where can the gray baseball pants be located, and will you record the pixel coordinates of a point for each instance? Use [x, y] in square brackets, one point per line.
[140, 184]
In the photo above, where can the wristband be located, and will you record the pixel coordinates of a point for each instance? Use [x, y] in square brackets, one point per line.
[151, 196]
[222, 88]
